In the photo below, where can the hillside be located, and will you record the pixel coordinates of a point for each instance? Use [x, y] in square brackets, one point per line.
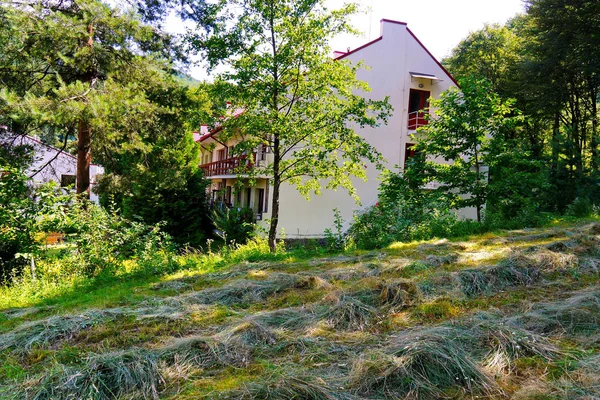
[510, 315]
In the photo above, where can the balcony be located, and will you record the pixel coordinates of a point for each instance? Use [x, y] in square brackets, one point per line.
[417, 119]
[229, 166]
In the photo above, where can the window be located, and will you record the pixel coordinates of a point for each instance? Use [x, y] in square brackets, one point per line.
[221, 154]
[248, 196]
[409, 153]
[228, 195]
[262, 152]
[67, 180]
[260, 194]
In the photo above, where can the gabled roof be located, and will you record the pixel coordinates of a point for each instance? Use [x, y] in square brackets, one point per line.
[206, 134]
[416, 39]
[49, 147]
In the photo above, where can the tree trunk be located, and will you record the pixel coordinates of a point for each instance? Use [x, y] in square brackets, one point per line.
[84, 158]
[479, 205]
[594, 139]
[84, 139]
[275, 203]
[555, 142]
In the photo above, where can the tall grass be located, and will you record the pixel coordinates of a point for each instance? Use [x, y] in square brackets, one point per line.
[61, 279]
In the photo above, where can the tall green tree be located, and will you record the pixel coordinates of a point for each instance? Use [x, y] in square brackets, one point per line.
[466, 123]
[562, 63]
[111, 75]
[158, 179]
[295, 98]
[57, 58]
[489, 53]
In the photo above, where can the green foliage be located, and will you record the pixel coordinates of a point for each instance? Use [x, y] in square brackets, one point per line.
[16, 220]
[24, 211]
[104, 241]
[406, 212]
[112, 79]
[489, 53]
[234, 225]
[465, 124]
[156, 177]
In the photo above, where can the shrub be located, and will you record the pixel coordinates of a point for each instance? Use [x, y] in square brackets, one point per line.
[105, 240]
[581, 207]
[234, 225]
[335, 238]
[406, 212]
[23, 211]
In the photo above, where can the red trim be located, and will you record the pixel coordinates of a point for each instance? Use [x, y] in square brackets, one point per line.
[391, 21]
[431, 55]
[210, 134]
[359, 48]
[216, 130]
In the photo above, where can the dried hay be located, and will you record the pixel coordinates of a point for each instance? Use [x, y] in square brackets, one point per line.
[126, 374]
[420, 364]
[399, 294]
[288, 388]
[205, 353]
[249, 333]
[349, 314]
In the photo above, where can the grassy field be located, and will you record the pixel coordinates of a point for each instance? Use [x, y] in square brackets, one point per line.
[506, 315]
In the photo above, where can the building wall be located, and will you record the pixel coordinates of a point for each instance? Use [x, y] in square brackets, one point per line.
[63, 164]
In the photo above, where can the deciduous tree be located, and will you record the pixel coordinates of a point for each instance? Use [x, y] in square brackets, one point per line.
[465, 124]
[295, 98]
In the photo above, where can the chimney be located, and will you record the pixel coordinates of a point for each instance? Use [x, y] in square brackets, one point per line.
[389, 27]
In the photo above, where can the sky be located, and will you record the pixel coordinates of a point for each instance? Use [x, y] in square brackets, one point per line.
[439, 24]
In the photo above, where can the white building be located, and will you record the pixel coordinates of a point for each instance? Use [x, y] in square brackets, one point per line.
[399, 67]
[52, 164]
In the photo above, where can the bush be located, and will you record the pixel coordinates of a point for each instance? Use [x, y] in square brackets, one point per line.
[234, 225]
[581, 207]
[105, 242]
[23, 212]
[335, 238]
[406, 212]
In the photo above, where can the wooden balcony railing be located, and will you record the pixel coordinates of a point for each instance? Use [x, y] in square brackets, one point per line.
[417, 119]
[229, 166]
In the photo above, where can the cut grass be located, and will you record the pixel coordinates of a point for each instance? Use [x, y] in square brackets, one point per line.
[288, 388]
[134, 374]
[51, 330]
[420, 364]
[407, 322]
[349, 314]
[399, 294]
